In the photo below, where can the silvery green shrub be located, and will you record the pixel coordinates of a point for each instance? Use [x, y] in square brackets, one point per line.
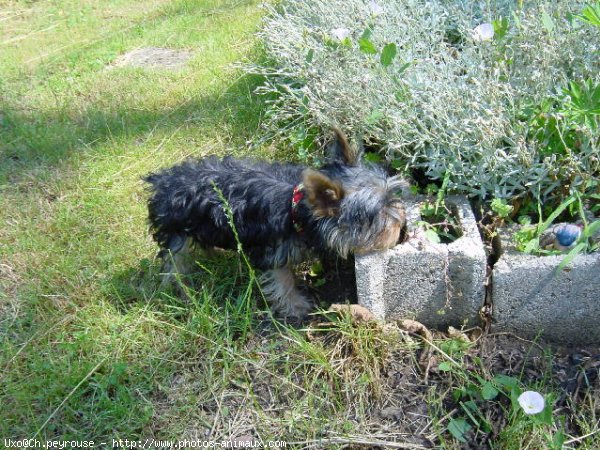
[461, 89]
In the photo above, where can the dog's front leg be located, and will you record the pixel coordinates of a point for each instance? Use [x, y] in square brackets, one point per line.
[177, 259]
[280, 288]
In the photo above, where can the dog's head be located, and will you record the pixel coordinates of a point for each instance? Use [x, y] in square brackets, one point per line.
[356, 205]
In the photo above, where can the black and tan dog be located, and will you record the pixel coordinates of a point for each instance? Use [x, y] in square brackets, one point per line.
[281, 212]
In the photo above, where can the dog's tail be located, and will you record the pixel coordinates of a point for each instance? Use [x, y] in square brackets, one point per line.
[167, 209]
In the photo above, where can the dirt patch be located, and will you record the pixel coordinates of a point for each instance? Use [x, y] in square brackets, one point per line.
[573, 375]
[154, 58]
[409, 400]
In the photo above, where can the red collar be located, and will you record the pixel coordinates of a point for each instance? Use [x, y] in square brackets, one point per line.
[297, 196]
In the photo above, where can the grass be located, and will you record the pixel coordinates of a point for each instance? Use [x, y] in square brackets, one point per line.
[76, 138]
[89, 349]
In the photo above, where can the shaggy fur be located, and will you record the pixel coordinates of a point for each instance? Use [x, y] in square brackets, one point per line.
[347, 207]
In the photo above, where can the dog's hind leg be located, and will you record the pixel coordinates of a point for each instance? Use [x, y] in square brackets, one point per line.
[280, 288]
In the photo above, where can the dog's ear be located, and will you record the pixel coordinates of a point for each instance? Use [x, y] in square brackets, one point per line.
[340, 149]
[322, 193]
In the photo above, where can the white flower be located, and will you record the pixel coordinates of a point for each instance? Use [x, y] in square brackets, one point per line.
[340, 33]
[376, 9]
[532, 402]
[483, 32]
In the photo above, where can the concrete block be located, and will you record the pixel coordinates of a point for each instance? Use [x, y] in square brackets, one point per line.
[437, 284]
[532, 299]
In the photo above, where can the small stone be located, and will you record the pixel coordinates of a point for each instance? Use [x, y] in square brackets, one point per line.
[357, 313]
[154, 58]
[391, 413]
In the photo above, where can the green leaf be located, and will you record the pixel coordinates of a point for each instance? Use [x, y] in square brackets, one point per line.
[439, 201]
[331, 43]
[454, 346]
[427, 210]
[403, 67]
[367, 33]
[590, 14]
[501, 208]
[316, 269]
[320, 282]
[506, 381]
[571, 255]
[470, 408]
[310, 55]
[558, 440]
[366, 46]
[373, 157]
[472, 390]
[458, 428]
[524, 220]
[533, 244]
[557, 212]
[547, 22]
[388, 54]
[432, 236]
[374, 117]
[457, 394]
[591, 229]
[432, 189]
[488, 391]
[544, 417]
[575, 91]
[514, 398]
[445, 366]
[516, 19]
[397, 164]
[500, 27]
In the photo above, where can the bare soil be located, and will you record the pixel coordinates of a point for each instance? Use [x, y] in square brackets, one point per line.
[154, 58]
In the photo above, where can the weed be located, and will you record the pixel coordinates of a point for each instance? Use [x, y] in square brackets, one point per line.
[439, 219]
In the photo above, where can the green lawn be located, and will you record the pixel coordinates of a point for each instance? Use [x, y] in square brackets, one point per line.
[89, 349]
[75, 138]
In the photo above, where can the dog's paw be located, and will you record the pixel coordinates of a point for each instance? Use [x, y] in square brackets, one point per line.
[295, 308]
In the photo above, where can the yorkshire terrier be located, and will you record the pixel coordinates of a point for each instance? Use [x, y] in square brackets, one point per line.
[281, 214]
